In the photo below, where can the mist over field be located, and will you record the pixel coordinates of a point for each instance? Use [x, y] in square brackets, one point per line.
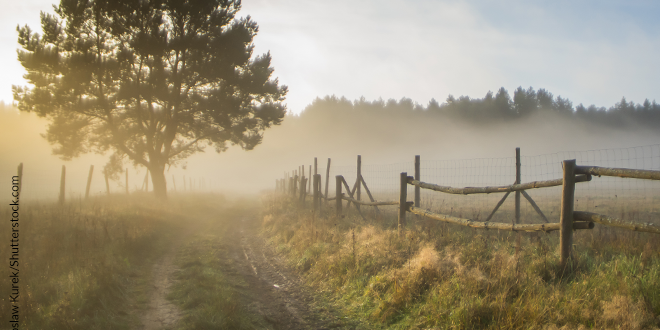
[383, 132]
[154, 138]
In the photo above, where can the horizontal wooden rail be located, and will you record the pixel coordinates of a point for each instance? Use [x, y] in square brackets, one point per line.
[496, 189]
[496, 225]
[620, 172]
[614, 222]
[368, 203]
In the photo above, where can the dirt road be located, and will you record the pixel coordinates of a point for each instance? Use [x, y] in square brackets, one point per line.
[275, 291]
[266, 287]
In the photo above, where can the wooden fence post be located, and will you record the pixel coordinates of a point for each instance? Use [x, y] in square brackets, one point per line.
[517, 182]
[315, 192]
[338, 194]
[62, 185]
[20, 178]
[417, 177]
[303, 193]
[295, 185]
[89, 181]
[327, 177]
[318, 190]
[517, 200]
[127, 181]
[359, 176]
[309, 184]
[566, 216]
[403, 196]
[315, 167]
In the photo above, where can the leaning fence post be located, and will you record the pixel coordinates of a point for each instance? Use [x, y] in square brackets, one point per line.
[62, 184]
[89, 181]
[338, 194]
[403, 196]
[566, 216]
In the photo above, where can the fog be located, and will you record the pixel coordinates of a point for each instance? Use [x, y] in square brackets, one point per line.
[381, 132]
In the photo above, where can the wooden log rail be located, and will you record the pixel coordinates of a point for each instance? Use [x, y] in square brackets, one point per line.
[545, 227]
[615, 222]
[495, 189]
[365, 203]
[619, 172]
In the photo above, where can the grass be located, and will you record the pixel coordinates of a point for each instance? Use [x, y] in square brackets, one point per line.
[451, 277]
[82, 265]
[206, 293]
[89, 264]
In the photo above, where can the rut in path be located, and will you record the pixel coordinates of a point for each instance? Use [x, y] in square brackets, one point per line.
[274, 292]
[162, 314]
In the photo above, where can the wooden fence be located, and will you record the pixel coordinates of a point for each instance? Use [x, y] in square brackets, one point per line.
[570, 220]
[191, 185]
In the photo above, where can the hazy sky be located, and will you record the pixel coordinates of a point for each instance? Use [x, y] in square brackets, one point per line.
[593, 52]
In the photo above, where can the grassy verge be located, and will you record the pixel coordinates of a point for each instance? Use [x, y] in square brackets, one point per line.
[447, 276]
[83, 265]
[207, 289]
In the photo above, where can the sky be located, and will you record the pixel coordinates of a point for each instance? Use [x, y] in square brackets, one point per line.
[592, 52]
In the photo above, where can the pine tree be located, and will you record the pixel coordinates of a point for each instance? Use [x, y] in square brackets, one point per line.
[150, 81]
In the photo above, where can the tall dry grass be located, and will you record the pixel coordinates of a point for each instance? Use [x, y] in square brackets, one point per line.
[83, 265]
[447, 276]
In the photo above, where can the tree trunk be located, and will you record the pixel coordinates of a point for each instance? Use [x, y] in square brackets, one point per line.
[158, 181]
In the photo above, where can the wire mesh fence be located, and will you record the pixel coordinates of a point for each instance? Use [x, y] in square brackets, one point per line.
[44, 185]
[628, 199]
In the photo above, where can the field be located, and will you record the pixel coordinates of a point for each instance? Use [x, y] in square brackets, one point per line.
[99, 264]
[206, 261]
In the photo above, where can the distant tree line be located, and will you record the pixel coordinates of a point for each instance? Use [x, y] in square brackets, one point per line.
[493, 107]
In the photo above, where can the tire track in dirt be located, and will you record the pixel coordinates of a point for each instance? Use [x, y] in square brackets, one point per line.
[162, 313]
[275, 292]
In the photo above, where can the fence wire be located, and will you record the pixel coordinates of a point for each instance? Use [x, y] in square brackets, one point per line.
[630, 199]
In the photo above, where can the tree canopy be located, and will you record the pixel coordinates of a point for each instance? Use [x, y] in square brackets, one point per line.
[151, 81]
[489, 109]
